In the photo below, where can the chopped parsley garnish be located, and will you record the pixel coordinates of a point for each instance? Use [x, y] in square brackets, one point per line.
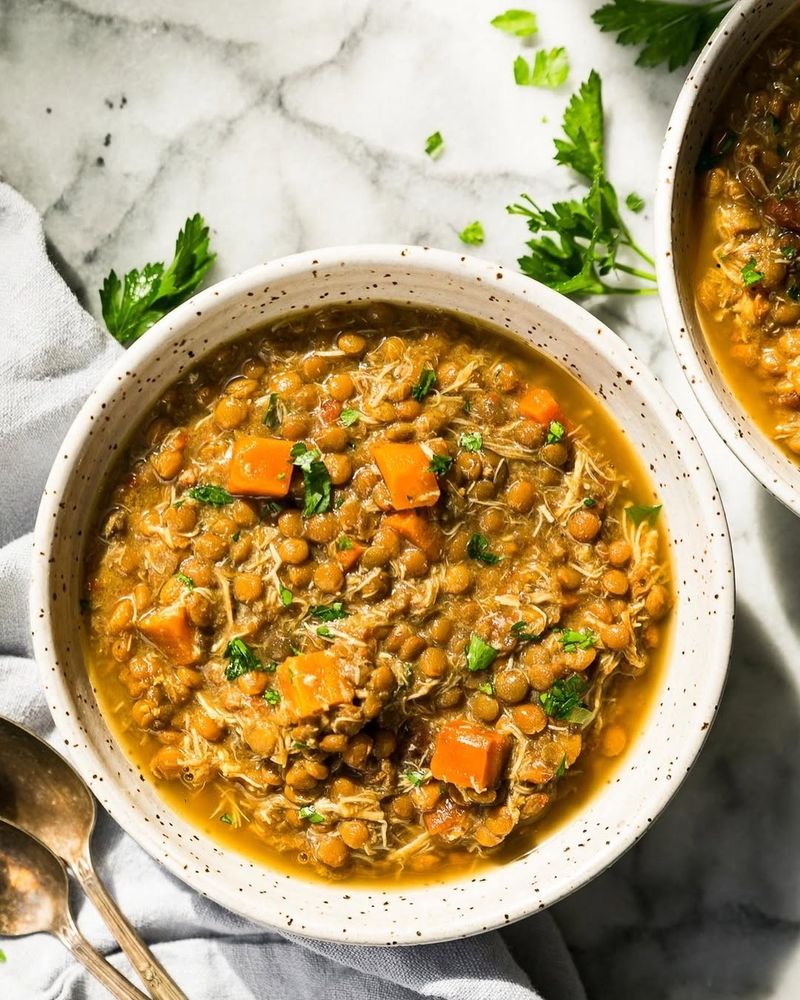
[131, 306]
[2, 956]
[272, 418]
[226, 818]
[243, 660]
[789, 253]
[348, 417]
[548, 69]
[478, 548]
[750, 274]
[487, 688]
[480, 654]
[434, 145]
[440, 465]
[343, 544]
[311, 814]
[236, 536]
[667, 32]
[793, 292]
[471, 441]
[573, 640]
[638, 512]
[424, 384]
[214, 496]
[272, 696]
[634, 202]
[286, 596]
[417, 776]
[714, 152]
[589, 502]
[316, 481]
[521, 632]
[467, 406]
[561, 770]
[271, 507]
[564, 699]
[187, 581]
[324, 631]
[472, 234]
[521, 23]
[555, 432]
[328, 612]
[575, 243]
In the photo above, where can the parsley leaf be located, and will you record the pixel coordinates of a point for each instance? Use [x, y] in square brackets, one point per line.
[243, 660]
[638, 512]
[271, 417]
[555, 432]
[521, 23]
[348, 417]
[424, 384]
[478, 548]
[487, 688]
[561, 770]
[521, 631]
[417, 776]
[272, 696]
[589, 502]
[187, 581]
[715, 151]
[480, 654]
[311, 814]
[434, 145]
[286, 596]
[750, 274]
[788, 253]
[131, 306]
[472, 441]
[227, 819]
[343, 544]
[440, 465]
[316, 480]
[575, 244]
[548, 69]
[328, 612]
[667, 32]
[564, 700]
[573, 640]
[634, 202]
[214, 496]
[472, 234]
[794, 293]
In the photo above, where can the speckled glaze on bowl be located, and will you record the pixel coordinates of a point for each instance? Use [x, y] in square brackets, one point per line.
[672, 734]
[744, 28]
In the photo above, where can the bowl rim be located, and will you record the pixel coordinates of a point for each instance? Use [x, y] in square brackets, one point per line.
[667, 254]
[510, 283]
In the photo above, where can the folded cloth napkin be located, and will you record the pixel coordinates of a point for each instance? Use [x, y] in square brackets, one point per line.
[51, 355]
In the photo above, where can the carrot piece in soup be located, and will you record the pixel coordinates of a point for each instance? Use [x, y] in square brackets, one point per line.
[469, 755]
[447, 819]
[311, 683]
[170, 630]
[540, 404]
[406, 471]
[348, 558]
[417, 529]
[260, 467]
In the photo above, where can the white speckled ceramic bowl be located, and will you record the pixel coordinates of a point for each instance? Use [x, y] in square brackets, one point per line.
[744, 28]
[672, 734]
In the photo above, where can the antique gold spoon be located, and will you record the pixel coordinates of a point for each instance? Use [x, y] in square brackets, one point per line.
[41, 793]
[34, 898]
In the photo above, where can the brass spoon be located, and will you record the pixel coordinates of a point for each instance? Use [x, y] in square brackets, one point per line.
[34, 898]
[41, 793]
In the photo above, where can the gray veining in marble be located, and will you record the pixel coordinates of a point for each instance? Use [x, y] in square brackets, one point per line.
[292, 126]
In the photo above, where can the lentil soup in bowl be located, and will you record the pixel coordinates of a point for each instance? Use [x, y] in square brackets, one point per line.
[385, 621]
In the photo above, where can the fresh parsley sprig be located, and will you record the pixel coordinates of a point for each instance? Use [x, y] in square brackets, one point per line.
[316, 479]
[132, 305]
[576, 244]
[667, 33]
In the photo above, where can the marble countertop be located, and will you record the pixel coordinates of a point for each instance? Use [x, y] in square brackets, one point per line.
[293, 126]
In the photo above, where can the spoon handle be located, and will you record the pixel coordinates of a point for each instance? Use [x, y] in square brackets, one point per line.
[155, 977]
[116, 984]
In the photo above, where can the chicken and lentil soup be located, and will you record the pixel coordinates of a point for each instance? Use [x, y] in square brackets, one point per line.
[374, 588]
[748, 258]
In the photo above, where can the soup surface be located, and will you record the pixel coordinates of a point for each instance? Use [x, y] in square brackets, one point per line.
[748, 254]
[371, 590]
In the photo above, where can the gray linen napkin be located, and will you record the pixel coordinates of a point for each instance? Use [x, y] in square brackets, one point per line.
[51, 355]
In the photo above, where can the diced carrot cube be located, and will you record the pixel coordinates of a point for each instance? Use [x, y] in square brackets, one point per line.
[260, 467]
[469, 755]
[311, 683]
[446, 818]
[540, 404]
[170, 629]
[348, 558]
[405, 468]
[417, 529]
